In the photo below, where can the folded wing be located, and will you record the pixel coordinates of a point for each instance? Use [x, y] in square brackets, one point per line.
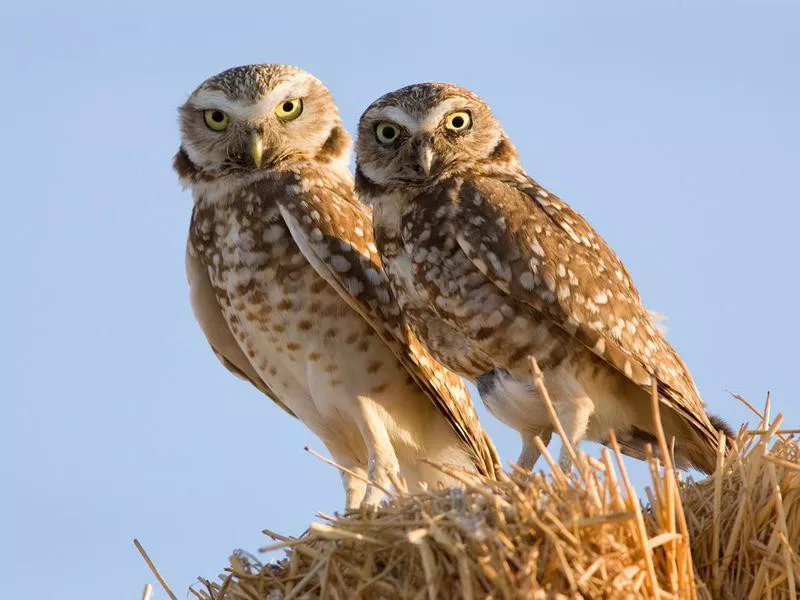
[335, 234]
[544, 254]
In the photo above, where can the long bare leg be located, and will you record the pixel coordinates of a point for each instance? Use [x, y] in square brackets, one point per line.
[354, 488]
[381, 455]
[530, 453]
[353, 473]
[574, 417]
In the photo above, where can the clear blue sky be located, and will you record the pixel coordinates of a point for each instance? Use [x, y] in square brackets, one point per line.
[675, 130]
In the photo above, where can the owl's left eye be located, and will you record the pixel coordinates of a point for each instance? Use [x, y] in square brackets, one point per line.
[289, 110]
[458, 121]
[387, 132]
[216, 120]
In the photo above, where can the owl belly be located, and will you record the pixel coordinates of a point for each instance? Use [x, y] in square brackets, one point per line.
[322, 359]
[280, 329]
[316, 353]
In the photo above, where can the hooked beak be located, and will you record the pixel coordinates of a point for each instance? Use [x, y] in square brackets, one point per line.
[256, 148]
[424, 156]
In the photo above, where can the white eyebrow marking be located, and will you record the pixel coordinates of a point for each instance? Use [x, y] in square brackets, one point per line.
[437, 113]
[429, 121]
[295, 87]
[396, 115]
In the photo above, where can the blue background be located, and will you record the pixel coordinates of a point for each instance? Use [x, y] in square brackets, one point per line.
[673, 127]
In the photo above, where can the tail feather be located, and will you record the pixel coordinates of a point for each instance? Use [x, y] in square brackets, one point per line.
[704, 457]
[721, 425]
[695, 448]
[635, 443]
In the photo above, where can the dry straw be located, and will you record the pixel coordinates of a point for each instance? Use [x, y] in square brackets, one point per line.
[578, 534]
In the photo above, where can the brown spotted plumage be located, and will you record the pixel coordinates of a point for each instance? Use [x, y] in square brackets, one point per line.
[490, 268]
[288, 288]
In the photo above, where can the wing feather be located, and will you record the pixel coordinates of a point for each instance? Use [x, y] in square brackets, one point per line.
[543, 253]
[335, 234]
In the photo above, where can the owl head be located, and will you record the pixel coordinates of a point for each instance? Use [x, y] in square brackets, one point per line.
[258, 117]
[423, 133]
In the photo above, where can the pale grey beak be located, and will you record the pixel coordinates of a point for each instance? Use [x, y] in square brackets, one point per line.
[424, 156]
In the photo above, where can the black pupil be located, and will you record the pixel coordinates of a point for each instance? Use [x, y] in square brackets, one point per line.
[388, 132]
[217, 116]
[288, 106]
[458, 122]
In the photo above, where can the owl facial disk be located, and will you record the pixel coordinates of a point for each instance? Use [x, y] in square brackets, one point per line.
[444, 130]
[255, 134]
[261, 117]
[417, 144]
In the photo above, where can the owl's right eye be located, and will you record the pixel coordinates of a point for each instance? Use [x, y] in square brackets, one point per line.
[387, 132]
[216, 120]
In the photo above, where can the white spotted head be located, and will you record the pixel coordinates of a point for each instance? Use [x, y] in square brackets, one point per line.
[423, 133]
[258, 117]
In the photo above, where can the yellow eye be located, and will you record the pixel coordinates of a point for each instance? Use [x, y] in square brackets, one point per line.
[216, 120]
[458, 121]
[289, 110]
[387, 132]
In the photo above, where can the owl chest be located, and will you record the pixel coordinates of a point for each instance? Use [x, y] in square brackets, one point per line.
[245, 240]
[276, 304]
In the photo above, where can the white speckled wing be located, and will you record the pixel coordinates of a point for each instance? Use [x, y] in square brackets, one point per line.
[544, 254]
[335, 234]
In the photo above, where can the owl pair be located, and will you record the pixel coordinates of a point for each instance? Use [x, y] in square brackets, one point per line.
[359, 322]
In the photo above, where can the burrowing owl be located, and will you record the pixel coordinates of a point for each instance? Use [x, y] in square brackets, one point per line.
[287, 285]
[489, 268]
